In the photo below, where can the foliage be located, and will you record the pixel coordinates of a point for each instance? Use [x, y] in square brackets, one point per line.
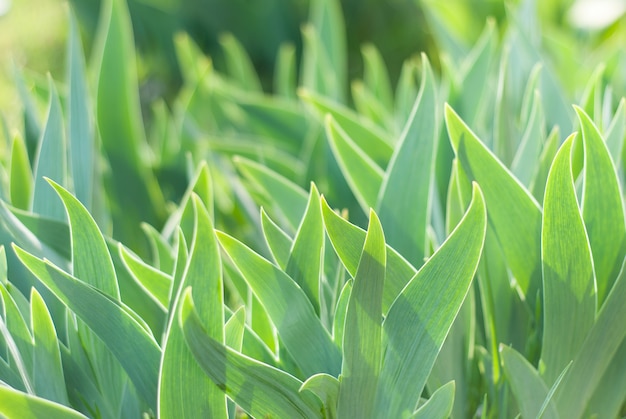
[446, 247]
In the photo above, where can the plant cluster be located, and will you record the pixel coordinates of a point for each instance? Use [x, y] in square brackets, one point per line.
[464, 257]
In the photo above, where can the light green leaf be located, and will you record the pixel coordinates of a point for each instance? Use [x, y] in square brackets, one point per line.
[406, 91]
[407, 182]
[422, 314]
[234, 329]
[529, 389]
[305, 258]
[369, 138]
[285, 71]
[339, 320]
[368, 105]
[615, 133]
[362, 174]
[326, 387]
[439, 405]
[162, 252]
[16, 404]
[156, 283]
[362, 337]
[602, 208]
[134, 348]
[48, 380]
[53, 233]
[523, 165]
[375, 75]
[184, 389]
[51, 160]
[550, 147]
[21, 186]
[347, 240]
[239, 65]
[261, 390]
[596, 353]
[513, 212]
[278, 242]
[289, 309]
[569, 290]
[18, 340]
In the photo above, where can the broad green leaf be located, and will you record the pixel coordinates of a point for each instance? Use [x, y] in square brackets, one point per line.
[287, 199]
[53, 233]
[134, 348]
[529, 389]
[596, 353]
[439, 405]
[602, 208]
[347, 240]
[156, 283]
[80, 131]
[289, 309]
[239, 65]
[513, 212]
[51, 160]
[569, 290]
[370, 138]
[362, 174]
[406, 186]
[184, 389]
[21, 176]
[16, 404]
[339, 320]
[91, 260]
[421, 316]
[610, 393]
[278, 242]
[305, 258]
[261, 390]
[234, 329]
[326, 387]
[362, 337]
[120, 125]
[48, 380]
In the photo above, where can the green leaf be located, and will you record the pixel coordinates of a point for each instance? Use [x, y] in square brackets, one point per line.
[48, 380]
[156, 283]
[305, 258]
[362, 337]
[422, 314]
[51, 160]
[184, 389]
[529, 389]
[347, 240]
[615, 133]
[120, 125]
[439, 405]
[127, 339]
[289, 309]
[361, 172]
[278, 242]
[326, 387]
[596, 353]
[261, 390]
[529, 150]
[602, 208]
[21, 177]
[406, 186]
[238, 64]
[16, 404]
[285, 71]
[370, 138]
[513, 212]
[18, 340]
[162, 252]
[569, 290]
[550, 147]
[80, 132]
[234, 329]
[339, 321]
[54, 233]
[369, 106]
[375, 75]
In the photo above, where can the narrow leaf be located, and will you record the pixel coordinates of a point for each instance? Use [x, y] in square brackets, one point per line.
[439, 405]
[16, 404]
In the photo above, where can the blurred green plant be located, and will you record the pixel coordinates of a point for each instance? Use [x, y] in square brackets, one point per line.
[175, 265]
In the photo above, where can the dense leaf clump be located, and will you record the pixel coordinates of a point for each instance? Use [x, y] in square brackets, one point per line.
[450, 247]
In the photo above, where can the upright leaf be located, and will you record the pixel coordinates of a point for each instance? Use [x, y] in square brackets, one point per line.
[569, 290]
[21, 177]
[407, 182]
[422, 314]
[603, 211]
[362, 336]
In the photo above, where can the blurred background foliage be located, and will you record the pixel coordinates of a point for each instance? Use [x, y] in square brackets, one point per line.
[32, 34]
